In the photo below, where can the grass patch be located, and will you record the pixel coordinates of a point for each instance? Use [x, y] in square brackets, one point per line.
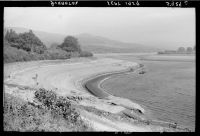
[55, 114]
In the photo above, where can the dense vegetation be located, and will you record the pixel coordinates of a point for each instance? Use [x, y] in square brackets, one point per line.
[27, 46]
[26, 41]
[70, 44]
[53, 114]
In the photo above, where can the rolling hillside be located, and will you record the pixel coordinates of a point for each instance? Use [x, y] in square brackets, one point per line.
[101, 44]
[95, 44]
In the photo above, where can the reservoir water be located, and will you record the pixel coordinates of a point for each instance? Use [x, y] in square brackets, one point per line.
[167, 89]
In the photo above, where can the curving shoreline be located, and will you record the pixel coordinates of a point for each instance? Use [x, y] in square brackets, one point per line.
[93, 85]
[95, 89]
[65, 80]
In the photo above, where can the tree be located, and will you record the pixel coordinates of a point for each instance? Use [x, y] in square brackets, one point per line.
[32, 42]
[70, 44]
[189, 49]
[11, 36]
[27, 41]
[181, 49]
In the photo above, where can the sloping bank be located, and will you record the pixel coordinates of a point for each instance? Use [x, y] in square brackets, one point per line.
[93, 85]
[132, 109]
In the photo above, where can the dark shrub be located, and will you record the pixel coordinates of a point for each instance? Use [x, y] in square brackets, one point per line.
[48, 98]
[70, 44]
[59, 106]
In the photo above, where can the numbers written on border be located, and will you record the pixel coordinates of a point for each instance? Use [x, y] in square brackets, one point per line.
[175, 4]
[123, 3]
[132, 3]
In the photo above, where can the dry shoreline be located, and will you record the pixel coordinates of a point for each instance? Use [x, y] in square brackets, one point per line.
[68, 79]
[93, 85]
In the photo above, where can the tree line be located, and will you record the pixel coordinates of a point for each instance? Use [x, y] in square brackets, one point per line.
[27, 46]
[186, 50]
[180, 50]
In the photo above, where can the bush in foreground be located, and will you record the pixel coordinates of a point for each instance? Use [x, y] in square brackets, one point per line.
[55, 114]
[60, 107]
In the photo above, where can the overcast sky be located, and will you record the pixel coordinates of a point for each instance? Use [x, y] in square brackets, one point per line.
[170, 27]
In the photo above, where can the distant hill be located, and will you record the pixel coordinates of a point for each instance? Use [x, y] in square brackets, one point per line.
[102, 44]
[96, 44]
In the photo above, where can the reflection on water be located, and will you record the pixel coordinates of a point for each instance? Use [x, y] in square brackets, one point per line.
[167, 89]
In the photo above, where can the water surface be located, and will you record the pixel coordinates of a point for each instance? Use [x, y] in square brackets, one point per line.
[167, 89]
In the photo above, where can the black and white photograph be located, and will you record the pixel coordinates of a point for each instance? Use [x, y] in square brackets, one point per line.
[99, 69]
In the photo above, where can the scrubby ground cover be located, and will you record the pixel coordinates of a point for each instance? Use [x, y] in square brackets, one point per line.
[53, 114]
